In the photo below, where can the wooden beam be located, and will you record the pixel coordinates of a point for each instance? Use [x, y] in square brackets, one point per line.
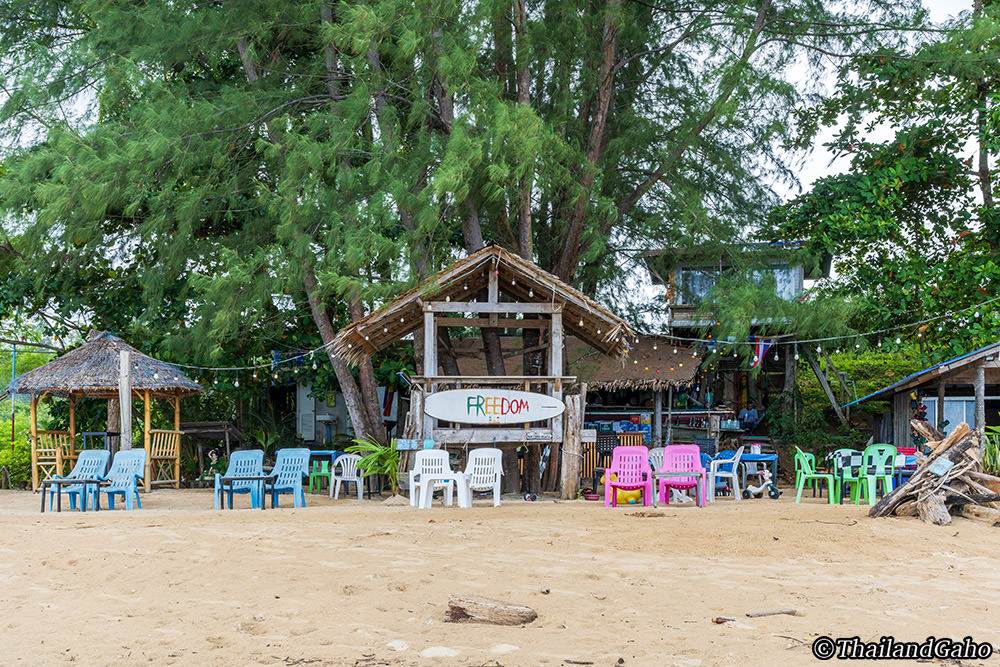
[72, 430]
[940, 406]
[505, 307]
[146, 421]
[980, 387]
[477, 436]
[34, 442]
[657, 417]
[814, 364]
[493, 321]
[430, 366]
[177, 427]
[495, 379]
[494, 288]
[572, 451]
[556, 370]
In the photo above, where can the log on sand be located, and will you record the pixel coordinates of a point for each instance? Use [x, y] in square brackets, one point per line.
[476, 609]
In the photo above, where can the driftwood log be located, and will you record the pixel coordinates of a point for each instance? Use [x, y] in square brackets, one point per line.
[937, 490]
[476, 609]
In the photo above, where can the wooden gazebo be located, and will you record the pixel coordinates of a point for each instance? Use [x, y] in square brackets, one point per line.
[511, 288]
[93, 371]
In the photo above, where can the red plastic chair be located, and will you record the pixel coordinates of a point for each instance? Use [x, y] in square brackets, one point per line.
[630, 469]
[682, 458]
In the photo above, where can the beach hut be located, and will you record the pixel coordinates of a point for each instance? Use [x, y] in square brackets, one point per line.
[963, 389]
[93, 371]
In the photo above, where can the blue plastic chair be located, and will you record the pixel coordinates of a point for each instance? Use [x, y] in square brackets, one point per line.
[290, 467]
[245, 463]
[127, 468]
[90, 465]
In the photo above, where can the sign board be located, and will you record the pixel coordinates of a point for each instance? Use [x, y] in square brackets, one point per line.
[537, 436]
[492, 406]
[588, 435]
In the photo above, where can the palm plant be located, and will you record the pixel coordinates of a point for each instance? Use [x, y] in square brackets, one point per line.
[378, 459]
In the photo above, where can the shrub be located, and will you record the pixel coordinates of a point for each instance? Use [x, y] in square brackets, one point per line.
[18, 463]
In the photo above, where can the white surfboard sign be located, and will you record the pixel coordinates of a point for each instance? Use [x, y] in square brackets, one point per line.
[492, 406]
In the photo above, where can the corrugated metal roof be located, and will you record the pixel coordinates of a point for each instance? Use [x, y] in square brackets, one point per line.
[917, 378]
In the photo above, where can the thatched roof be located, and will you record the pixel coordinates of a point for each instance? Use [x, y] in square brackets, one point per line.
[520, 280]
[92, 370]
[643, 368]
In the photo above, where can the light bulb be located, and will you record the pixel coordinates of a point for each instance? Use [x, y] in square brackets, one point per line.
[385, 329]
[775, 355]
[215, 381]
[447, 298]
[236, 382]
[315, 366]
[898, 340]
[654, 346]
[402, 319]
[598, 329]
[531, 292]
[796, 356]
[156, 376]
[465, 287]
[857, 345]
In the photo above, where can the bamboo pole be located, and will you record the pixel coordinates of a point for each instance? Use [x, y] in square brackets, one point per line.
[34, 442]
[72, 430]
[177, 427]
[145, 440]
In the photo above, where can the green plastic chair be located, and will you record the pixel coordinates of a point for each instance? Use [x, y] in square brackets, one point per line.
[850, 476]
[320, 471]
[811, 458]
[879, 464]
[807, 473]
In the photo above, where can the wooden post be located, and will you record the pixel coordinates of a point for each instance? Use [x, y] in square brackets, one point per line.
[940, 405]
[72, 431]
[147, 479]
[430, 367]
[556, 369]
[177, 427]
[34, 441]
[657, 417]
[980, 385]
[572, 455]
[670, 414]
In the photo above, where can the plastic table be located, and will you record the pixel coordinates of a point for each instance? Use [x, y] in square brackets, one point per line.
[427, 480]
[262, 480]
[700, 487]
[772, 459]
[60, 483]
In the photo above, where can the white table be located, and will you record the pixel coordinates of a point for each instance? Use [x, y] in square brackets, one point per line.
[428, 479]
[699, 478]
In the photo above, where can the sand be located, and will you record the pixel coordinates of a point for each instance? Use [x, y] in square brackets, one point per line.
[366, 583]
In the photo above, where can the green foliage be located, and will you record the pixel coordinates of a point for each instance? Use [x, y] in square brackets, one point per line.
[17, 460]
[913, 224]
[378, 459]
[991, 450]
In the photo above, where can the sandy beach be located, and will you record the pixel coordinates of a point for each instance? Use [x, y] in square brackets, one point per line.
[366, 583]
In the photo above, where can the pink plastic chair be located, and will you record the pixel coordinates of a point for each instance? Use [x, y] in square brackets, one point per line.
[630, 466]
[682, 458]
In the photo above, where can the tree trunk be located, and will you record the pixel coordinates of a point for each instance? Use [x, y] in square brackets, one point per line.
[566, 267]
[524, 237]
[369, 388]
[348, 387]
[114, 416]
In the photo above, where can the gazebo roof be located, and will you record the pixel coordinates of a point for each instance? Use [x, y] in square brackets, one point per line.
[92, 370]
[520, 280]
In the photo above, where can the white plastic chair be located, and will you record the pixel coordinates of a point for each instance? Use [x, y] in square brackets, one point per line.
[483, 471]
[430, 461]
[656, 458]
[347, 465]
[732, 474]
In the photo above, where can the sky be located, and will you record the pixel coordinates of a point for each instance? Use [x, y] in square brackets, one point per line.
[818, 162]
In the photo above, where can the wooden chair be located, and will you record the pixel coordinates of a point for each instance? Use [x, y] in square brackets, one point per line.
[54, 452]
[630, 439]
[163, 463]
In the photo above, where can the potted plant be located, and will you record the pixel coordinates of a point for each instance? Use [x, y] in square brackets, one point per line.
[991, 455]
[378, 459]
